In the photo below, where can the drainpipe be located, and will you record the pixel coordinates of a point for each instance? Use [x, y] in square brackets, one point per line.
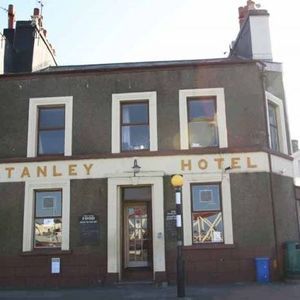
[263, 76]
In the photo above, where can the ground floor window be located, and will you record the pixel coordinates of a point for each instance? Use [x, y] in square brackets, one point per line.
[207, 218]
[46, 215]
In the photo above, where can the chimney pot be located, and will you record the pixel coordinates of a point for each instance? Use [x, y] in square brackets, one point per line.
[11, 16]
[36, 12]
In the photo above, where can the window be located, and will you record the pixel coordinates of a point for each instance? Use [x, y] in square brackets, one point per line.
[202, 118]
[46, 215]
[206, 209]
[134, 122]
[48, 219]
[273, 127]
[135, 126]
[50, 126]
[207, 216]
[203, 130]
[276, 124]
[51, 129]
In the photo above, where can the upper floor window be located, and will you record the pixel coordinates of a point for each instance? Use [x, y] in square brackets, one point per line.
[134, 122]
[135, 126]
[276, 124]
[48, 219]
[273, 125]
[51, 129]
[203, 129]
[207, 215]
[50, 126]
[202, 118]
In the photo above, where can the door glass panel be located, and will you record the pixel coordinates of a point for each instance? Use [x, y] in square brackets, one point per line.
[137, 193]
[137, 236]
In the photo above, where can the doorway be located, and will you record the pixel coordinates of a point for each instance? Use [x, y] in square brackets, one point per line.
[137, 233]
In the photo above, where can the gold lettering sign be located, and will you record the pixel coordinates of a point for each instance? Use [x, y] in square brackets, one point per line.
[55, 173]
[25, 172]
[9, 171]
[186, 164]
[202, 164]
[88, 168]
[72, 170]
[220, 162]
[250, 164]
[41, 171]
[235, 163]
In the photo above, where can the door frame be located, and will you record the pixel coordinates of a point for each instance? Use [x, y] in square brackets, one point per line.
[114, 227]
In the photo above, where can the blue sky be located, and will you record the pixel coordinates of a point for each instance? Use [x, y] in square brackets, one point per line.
[89, 32]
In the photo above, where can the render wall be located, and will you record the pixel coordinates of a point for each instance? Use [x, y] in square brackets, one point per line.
[244, 99]
[82, 265]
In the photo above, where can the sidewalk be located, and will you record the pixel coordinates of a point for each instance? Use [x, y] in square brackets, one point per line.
[274, 291]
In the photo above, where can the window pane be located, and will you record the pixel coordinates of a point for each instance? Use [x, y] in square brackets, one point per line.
[47, 233]
[272, 115]
[140, 193]
[199, 109]
[51, 142]
[135, 113]
[135, 137]
[48, 204]
[206, 197]
[203, 134]
[274, 138]
[208, 227]
[51, 118]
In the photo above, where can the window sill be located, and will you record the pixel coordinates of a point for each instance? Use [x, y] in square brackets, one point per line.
[46, 252]
[209, 246]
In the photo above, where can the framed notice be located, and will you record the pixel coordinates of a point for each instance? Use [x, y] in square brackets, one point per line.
[89, 229]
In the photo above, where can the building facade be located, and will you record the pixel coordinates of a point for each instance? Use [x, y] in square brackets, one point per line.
[74, 210]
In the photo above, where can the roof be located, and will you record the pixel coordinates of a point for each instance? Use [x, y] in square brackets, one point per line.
[150, 64]
[77, 69]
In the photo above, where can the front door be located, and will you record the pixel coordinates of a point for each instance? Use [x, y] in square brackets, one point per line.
[137, 235]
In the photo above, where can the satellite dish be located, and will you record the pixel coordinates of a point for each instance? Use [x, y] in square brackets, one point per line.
[257, 5]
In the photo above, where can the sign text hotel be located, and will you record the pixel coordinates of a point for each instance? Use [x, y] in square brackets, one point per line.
[101, 168]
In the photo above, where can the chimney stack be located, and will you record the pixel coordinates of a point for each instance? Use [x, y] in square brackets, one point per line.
[253, 40]
[11, 16]
[243, 11]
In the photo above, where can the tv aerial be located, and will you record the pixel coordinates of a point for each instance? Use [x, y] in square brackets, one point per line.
[41, 3]
[3, 8]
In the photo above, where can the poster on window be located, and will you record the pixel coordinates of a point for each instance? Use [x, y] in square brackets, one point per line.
[217, 237]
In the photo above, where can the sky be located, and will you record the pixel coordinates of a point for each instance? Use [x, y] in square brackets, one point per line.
[112, 31]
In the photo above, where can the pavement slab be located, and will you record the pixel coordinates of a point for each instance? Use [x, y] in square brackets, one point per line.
[240, 291]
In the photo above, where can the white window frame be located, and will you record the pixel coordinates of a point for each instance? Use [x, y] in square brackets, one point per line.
[29, 206]
[34, 104]
[282, 137]
[117, 99]
[224, 180]
[221, 114]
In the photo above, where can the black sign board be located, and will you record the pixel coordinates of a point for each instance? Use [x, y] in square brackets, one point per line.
[171, 223]
[89, 229]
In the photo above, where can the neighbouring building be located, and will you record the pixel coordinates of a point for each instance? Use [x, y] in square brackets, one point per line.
[74, 211]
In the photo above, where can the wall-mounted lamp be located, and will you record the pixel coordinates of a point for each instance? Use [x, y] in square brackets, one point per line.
[136, 168]
[227, 169]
